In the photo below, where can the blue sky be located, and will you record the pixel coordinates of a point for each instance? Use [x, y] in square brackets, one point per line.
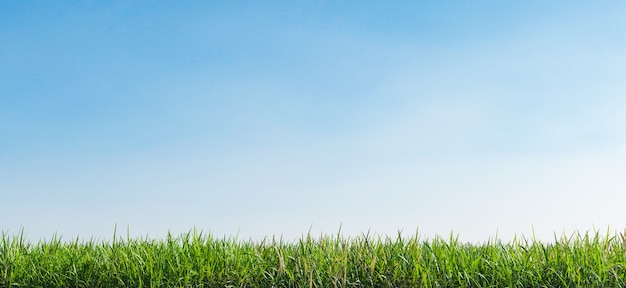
[260, 119]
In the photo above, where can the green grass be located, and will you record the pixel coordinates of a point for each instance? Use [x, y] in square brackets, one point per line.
[200, 260]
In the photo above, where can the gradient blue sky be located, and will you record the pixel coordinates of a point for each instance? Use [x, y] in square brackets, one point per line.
[273, 118]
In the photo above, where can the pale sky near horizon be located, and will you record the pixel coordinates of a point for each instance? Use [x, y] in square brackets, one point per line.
[273, 118]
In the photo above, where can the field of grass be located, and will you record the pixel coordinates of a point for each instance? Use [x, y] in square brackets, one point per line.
[200, 260]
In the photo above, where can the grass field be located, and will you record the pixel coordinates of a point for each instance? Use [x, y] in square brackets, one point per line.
[200, 260]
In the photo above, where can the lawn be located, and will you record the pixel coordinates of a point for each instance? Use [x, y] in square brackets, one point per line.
[196, 259]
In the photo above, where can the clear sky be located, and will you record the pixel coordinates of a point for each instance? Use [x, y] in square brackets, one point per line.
[275, 117]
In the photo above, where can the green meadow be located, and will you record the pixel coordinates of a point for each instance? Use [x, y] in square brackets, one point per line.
[200, 260]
